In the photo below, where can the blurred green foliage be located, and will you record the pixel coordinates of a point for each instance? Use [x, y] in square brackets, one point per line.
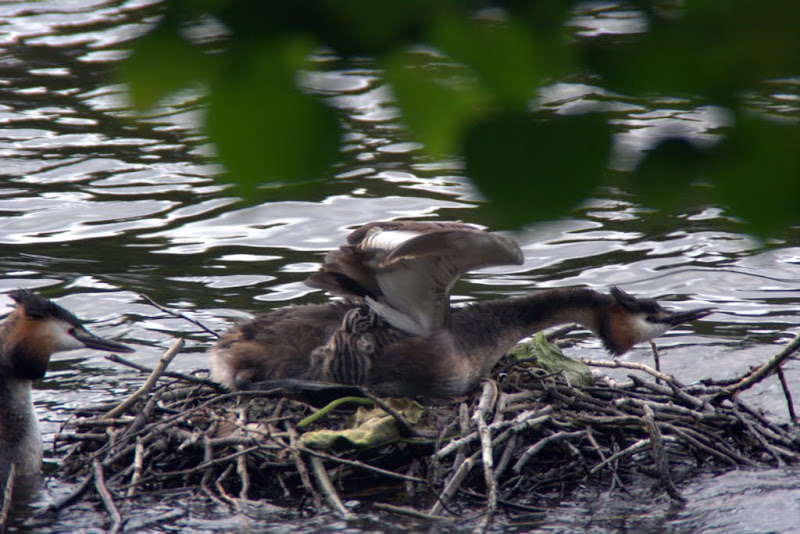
[470, 91]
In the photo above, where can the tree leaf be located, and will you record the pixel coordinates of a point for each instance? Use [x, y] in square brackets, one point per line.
[532, 169]
[437, 108]
[758, 175]
[663, 178]
[505, 55]
[264, 127]
[161, 63]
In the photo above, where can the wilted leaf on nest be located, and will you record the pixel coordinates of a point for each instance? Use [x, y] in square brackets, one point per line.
[366, 428]
[550, 358]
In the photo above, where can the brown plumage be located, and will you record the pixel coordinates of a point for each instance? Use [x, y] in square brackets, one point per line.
[36, 329]
[395, 338]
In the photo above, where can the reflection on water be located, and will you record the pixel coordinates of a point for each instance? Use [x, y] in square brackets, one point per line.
[96, 208]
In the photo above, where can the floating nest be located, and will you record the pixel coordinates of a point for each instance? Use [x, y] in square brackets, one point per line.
[524, 440]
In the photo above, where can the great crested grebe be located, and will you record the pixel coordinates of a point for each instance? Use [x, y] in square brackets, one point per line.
[29, 335]
[395, 331]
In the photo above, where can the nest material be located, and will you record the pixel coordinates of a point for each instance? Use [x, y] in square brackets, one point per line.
[525, 439]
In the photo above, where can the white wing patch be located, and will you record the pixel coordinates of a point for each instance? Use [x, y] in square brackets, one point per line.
[387, 239]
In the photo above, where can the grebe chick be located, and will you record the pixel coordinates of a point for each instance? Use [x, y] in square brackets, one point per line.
[29, 335]
[396, 333]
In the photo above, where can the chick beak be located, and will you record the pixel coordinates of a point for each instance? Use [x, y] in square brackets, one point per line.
[94, 342]
[676, 318]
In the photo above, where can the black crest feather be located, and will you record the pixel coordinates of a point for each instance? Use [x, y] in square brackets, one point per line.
[634, 305]
[38, 307]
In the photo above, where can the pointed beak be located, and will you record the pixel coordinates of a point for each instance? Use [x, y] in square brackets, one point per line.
[94, 342]
[676, 318]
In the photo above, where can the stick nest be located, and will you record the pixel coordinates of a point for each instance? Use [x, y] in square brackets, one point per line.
[524, 440]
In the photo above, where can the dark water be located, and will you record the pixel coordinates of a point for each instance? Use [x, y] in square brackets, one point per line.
[97, 207]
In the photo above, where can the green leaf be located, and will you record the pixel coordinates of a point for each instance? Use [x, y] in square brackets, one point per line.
[264, 127]
[437, 106]
[505, 55]
[758, 175]
[549, 357]
[533, 169]
[161, 63]
[663, 179]
[714, 49]
[367, 428]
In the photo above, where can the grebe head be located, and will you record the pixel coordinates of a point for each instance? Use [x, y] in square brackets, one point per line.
[630, 320]
[37, 328]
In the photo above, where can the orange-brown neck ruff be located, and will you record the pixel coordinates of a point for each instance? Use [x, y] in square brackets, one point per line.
[24, 352]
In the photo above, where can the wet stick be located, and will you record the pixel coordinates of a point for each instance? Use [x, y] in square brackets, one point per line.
[138, 462]
[362, 465]
[787, 394]
[105, 496]
[660, 454]
[766, 369]
[541, 444]
[326, 487]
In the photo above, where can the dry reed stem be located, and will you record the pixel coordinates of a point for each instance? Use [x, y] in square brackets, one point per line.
[151, 380]
[485, 405]
[619, 364]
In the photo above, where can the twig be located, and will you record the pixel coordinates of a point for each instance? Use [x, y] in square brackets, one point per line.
[726, 456]
[108, 501]
[411, 512]
[541, 444]
[759, 437]
[8, 496]
[138, 462]
[327, 489]
[454, 483]
[761, 372]
[656, 358]
[464, 429]
[616, 364]
[116, 358]
[522, 421]
[241, 461]
[361, 465]
[485, 404]
[64, 501]
[406, 427]
[659, 453]
[151, 381]
[200, 467]
[787, 394]
[300, 465]
[178, 315]
[636, 447]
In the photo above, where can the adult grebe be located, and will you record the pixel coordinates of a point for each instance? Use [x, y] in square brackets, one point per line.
[396, 333]
[30, 334]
